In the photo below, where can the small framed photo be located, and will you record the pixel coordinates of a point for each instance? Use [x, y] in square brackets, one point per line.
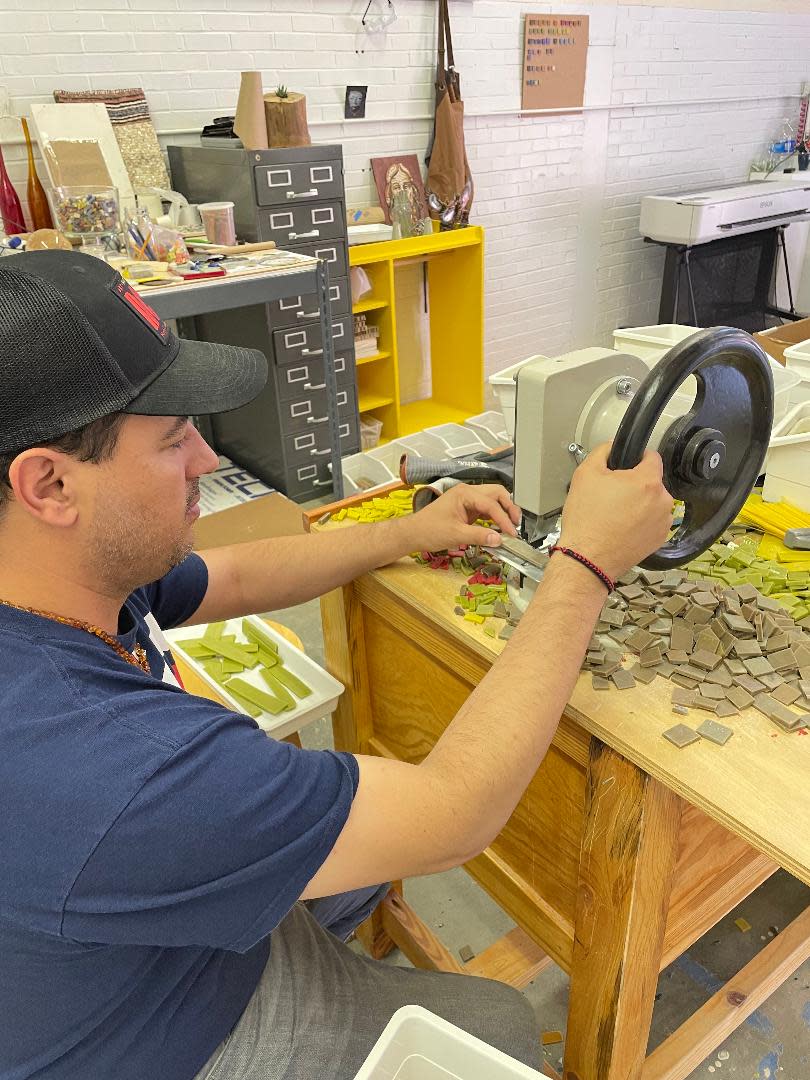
[355, 105]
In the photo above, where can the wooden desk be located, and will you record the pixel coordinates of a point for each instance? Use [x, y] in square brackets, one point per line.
[623, 850]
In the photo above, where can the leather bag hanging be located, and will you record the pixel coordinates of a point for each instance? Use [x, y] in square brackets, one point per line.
[448, 168]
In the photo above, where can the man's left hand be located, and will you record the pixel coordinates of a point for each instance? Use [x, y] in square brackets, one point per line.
[448, 522]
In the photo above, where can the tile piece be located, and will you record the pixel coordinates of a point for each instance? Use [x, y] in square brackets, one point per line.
[707, 704]
[747, 593]
[651, 656]
[707, 641]
[725, 708]
[786, 694]
[711, 690]
[630, 592]
[770, 682]
[682, 696]
[736, 667]
[714, 732]
[739, 697]
[704, 599]
[681, 735]
[782, 661]
[684, 680]
[746, 649]
[758, 666]
[701, 658]
[675, 605]
[678, 656]
[643, 674]
[747, 682]
[737, 624]
[682, 637]
[776, 642]
[720, 676]
[598, 683]
[623, 680]
[665, 669]
[639, 641]
[681, 710]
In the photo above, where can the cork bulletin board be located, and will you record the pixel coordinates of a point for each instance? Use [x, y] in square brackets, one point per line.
[555, 52]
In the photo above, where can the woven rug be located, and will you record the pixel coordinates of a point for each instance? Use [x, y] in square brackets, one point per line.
[134, 131]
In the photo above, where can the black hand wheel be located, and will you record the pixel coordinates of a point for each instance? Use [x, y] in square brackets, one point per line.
[713, 455]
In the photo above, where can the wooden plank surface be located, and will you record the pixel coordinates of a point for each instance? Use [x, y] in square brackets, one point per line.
[755, 785]
[513, 959]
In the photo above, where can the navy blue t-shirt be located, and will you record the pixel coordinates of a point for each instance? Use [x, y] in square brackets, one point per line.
[149, 843]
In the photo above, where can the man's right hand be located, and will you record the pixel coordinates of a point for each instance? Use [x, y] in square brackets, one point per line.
[617, 518]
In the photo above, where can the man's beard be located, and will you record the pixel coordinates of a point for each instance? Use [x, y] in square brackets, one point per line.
[129, 554]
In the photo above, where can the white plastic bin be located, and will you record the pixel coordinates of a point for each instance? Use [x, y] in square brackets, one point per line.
[651, 342]
[362, 472]
[389, 454]
[491, 427]
[424, 444]
[460, 441]
[797, 360]
[787, 465]
[503, 385]
[416, 1045]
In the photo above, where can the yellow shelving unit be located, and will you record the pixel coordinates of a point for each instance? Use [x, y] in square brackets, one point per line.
[454, 263]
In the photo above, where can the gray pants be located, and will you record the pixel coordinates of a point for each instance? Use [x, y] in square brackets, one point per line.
[320, 1007]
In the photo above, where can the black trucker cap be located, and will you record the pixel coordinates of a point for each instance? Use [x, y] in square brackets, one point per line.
[78, 343]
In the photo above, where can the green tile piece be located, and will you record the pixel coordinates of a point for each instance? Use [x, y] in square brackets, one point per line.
[682, 696]
[739, 697]
[598, 683]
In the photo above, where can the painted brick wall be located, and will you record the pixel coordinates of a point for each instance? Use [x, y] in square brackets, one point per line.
[677, 96]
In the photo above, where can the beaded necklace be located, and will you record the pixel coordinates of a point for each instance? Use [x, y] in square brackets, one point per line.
[137, 657]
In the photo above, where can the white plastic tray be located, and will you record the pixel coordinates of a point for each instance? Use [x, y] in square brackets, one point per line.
[787, 464]
[325, 689]
[417, 1045]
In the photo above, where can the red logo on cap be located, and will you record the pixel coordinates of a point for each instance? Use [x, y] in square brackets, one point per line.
[148, 316]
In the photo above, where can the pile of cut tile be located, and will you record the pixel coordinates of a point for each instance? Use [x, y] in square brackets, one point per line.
[723, 648]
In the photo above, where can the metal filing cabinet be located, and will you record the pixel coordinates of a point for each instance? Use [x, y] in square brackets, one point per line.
[294, 196]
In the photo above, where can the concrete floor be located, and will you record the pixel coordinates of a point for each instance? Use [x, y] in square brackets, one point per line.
[773, 1043]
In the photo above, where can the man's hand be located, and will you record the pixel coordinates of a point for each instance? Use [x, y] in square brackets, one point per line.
[617, 518]
[448, 521]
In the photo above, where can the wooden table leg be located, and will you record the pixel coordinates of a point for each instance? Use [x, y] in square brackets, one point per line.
[629, 850]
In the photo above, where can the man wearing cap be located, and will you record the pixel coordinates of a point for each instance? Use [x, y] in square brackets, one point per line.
[155, 846]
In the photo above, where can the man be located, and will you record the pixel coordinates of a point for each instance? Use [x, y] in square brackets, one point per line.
[155, 846]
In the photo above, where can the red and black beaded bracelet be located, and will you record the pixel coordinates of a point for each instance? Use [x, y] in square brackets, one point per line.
[609, 584]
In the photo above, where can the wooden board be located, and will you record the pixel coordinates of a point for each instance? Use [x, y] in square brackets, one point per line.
[755, 785]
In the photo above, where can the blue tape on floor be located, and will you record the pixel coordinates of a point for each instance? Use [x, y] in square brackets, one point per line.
[703, 977]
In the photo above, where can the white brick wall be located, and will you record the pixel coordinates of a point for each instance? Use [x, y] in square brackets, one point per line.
[558, 194]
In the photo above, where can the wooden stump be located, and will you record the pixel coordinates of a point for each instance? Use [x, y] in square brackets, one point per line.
[286, 120]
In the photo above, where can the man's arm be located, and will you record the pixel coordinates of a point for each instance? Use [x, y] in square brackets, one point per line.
[265, 575]
[419, 819]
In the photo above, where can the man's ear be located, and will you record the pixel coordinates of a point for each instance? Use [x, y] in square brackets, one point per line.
[43, 482]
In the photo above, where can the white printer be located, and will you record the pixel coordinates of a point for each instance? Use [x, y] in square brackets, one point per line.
[701, 216]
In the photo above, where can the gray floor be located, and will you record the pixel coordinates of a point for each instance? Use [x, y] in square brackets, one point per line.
[774, 1043]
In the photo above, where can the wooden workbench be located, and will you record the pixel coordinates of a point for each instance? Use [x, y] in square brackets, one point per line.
[623, 850]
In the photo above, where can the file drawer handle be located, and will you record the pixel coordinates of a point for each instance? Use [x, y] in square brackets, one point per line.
[307, 314]
[321, 483]
[318, 386]
[312, 352]
[303, 235]
[311, 194]
[318, 420]
[320, 453]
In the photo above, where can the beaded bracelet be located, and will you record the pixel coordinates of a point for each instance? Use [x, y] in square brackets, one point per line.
[594, 569]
